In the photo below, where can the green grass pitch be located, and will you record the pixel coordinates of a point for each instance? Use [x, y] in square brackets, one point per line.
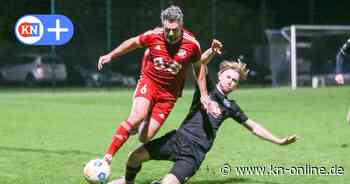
[47, 135]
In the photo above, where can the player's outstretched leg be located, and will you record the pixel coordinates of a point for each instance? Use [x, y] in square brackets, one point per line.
[133, 166]
[134, 163]
[138, 113]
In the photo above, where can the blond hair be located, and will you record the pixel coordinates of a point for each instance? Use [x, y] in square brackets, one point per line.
[238, 66]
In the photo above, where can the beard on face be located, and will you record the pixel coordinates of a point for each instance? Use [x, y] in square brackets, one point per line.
[172, 39]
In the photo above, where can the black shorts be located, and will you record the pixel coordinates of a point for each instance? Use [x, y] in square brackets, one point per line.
[176, 147]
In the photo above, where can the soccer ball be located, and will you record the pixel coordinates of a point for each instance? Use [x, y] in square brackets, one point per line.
[97, 171]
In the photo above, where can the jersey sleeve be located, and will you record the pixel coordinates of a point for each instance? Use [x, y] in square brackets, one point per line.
[236, 113]
[145, 38]
[197, 53]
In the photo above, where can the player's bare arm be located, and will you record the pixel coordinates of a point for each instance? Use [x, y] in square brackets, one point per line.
[262, 133]
[206, 57]
[200, 72]
[209, 54]
[125, 47]
[200, 68]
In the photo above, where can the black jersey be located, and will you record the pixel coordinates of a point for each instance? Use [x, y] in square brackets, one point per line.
[201, 127]
[342, 54]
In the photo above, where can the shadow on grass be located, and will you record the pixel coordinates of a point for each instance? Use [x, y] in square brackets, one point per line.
[60, 152]
[225, 181]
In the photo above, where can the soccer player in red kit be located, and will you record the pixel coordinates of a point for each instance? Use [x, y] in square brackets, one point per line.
[170, 50]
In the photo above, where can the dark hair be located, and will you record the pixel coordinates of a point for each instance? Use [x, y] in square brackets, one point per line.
[172, 13]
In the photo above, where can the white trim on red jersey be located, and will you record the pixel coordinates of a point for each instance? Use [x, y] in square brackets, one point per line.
[191, 39]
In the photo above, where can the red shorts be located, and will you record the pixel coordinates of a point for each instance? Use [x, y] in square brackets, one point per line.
[162, 102]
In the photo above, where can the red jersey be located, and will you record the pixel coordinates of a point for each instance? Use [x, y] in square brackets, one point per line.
[166, 64]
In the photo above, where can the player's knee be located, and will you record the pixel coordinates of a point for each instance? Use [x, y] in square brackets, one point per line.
[135, 120]
[134, 159]
[138, 156]
[137, 117]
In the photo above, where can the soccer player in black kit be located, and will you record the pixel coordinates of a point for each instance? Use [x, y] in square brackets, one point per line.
[343, 54]
[188, 145]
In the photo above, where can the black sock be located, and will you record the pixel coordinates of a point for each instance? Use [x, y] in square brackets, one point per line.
[131, 172]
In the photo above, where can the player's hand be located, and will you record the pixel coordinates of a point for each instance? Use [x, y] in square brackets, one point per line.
[339, 79]
[204, 101]
[288, 140]
[211, 106]
[103, 60]
[213, 109]
[216, 46]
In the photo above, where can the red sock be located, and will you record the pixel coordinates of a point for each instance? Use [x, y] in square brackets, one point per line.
[120, 137]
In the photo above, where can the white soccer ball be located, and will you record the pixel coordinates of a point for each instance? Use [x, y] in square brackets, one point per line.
[97, 171]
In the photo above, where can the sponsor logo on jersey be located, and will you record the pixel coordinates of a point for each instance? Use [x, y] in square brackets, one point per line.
[182, 53]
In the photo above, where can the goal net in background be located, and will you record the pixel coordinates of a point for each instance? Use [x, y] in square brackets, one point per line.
[305, 55]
